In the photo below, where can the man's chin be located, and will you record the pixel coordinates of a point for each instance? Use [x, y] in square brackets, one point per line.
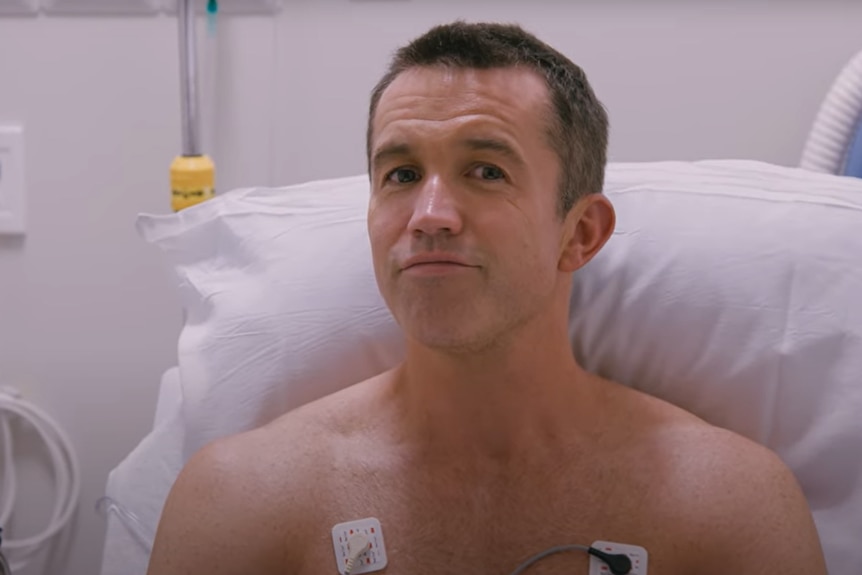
[453, 341]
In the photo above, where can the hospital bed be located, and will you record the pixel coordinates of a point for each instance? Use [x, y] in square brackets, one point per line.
[729, 288]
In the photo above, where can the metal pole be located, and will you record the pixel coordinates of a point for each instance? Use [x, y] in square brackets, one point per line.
[189, 78]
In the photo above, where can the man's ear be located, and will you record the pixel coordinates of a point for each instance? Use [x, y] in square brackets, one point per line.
[589, 224]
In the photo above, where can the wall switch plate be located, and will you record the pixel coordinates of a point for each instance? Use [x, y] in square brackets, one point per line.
[101, 7]
[12, 208]
[228, 7]
[21, 7]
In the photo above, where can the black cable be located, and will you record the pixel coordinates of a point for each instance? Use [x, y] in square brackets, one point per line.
[618, 563]
[4, 566]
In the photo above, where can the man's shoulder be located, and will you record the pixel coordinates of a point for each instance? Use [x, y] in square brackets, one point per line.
[663, 429]
[733, 500]
[271, 480]
[720, 468]
[703, 464]
[231, 487]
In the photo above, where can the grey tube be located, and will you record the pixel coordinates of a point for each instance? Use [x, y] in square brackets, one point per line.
[189, 78]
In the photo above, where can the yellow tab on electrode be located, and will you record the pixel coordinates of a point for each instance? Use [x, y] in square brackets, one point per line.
[192, 181]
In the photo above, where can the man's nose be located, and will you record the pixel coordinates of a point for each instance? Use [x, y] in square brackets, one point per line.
[436, 209]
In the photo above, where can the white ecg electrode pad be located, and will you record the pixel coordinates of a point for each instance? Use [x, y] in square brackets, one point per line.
[638, 556]
[372, 560]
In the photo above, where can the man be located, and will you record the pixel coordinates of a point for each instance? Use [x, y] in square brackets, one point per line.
[489, 444]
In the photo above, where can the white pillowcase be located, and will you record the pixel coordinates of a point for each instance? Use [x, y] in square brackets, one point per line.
[730, 288]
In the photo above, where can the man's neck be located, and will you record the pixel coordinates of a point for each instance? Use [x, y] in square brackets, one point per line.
[494, 406]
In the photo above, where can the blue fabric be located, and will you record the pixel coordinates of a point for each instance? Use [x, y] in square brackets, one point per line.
[853, 165]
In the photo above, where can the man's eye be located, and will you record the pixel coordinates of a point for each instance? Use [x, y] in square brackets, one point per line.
[489, 173]
[402, 176]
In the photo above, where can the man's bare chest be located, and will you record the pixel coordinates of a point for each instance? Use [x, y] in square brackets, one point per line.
[489, 528]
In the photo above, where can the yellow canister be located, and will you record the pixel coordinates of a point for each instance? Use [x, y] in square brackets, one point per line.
[192, 181]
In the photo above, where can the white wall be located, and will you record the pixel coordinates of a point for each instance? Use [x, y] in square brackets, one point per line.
[88, 316]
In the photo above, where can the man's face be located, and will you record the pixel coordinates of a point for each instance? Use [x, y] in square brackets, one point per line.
[463, 220]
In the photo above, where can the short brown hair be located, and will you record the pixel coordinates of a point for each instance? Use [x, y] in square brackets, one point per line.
[579, 130]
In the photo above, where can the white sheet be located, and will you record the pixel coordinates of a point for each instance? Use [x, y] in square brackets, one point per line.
[170, 395]
[141, 483]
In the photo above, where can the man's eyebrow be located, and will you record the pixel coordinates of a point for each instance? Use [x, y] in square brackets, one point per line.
[397, 150]
[494, 145]
[389, 151]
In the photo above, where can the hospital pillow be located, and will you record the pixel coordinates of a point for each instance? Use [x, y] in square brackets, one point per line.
[732, 289]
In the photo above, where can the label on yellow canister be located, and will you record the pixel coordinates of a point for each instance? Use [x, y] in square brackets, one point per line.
[192, 181]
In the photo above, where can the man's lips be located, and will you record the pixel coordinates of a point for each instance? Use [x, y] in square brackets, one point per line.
[435, 259]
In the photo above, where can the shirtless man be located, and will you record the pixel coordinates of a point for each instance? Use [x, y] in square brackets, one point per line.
[489, 444]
